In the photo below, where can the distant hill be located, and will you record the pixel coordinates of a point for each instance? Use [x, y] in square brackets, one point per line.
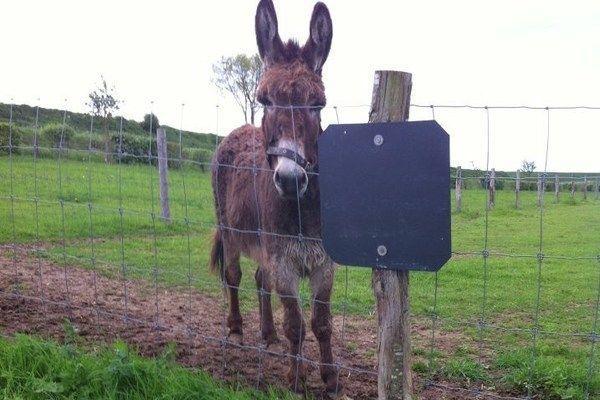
[24, 116]
[197, 146]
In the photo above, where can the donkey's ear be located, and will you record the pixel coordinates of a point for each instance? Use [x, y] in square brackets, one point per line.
[267, 36]
[317, 47]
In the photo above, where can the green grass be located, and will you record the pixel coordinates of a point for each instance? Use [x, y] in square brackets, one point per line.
[557, 373]
[464, 369]
[501, 291]
[32, 369]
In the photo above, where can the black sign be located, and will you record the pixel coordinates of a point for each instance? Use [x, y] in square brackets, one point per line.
[385, 195]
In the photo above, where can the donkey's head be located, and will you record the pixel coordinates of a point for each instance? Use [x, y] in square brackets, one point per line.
[292, 93]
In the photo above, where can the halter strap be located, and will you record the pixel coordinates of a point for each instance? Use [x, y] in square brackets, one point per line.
[291, 155]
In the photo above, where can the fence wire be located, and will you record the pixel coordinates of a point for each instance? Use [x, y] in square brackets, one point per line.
[435, 378]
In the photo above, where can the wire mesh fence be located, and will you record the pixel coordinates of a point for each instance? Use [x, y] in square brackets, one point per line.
[514, 314]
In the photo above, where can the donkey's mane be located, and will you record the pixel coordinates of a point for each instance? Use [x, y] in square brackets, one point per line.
[291, 51]
[279, 198]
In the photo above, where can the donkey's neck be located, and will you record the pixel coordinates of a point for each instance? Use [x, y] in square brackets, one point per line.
[292, 216]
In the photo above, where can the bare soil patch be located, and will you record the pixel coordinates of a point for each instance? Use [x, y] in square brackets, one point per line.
[37, 296]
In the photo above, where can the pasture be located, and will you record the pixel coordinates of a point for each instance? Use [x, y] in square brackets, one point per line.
[494, 329]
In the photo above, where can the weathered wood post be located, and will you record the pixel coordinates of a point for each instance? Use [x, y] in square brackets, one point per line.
[492, 189]
[585, 183]
[597, 188]
[573, 188]
[518, 189]
[391, 102]
[556, 188]
[458, 189]
[163, 172]
[540, 190]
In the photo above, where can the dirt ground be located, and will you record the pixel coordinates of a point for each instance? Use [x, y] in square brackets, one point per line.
[102, 309]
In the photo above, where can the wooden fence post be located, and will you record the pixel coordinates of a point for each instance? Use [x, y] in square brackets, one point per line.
[556, 188]
[597, 188]
[163, 172]
[573, 188]
[518, 189]
[492, 188]
[458, 189]
[391, 102]
[585, 183]
[539, 190]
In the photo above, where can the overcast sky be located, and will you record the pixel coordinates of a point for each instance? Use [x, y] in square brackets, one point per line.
[509, 52]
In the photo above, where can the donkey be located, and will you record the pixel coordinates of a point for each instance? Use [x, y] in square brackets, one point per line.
[267, 194]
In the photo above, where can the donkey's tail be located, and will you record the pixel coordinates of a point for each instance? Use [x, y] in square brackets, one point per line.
[217, 255]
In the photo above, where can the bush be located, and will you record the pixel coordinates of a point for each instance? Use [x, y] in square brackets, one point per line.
[134, 148]
[81, 141]
[173, 154]
[58, 135]
[201, 156]
[498, 183]
[10, 136]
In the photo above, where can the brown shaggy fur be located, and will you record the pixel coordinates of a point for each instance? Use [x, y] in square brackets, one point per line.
[282, 235]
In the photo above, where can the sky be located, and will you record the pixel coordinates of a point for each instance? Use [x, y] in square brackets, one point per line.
[159, 55]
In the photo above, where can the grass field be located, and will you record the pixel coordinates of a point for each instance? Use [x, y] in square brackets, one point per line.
[34, 369]
[500, 293]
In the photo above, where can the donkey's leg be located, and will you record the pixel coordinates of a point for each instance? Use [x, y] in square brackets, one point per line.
[293, 324]
[233, 276]
[267, 327]
[321, 282]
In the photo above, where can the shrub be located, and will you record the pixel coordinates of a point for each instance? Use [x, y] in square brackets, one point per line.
[498, 183]
[10, 136]
[81, 141]
[173, 154]
[58, 135]
[134, 148]
[201, 156]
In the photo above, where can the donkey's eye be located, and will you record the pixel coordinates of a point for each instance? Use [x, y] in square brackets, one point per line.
[317, 107]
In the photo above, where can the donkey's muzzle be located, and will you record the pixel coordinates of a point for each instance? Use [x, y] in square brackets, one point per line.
[290, 184]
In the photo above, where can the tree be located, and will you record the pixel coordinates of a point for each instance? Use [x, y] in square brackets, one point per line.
[103, 103]
[528, 167]
[239, 76]
[150, 123]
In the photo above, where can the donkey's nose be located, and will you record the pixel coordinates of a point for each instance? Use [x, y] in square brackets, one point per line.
[291, 184]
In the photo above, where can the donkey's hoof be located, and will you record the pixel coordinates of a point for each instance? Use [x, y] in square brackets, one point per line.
[236, 338]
